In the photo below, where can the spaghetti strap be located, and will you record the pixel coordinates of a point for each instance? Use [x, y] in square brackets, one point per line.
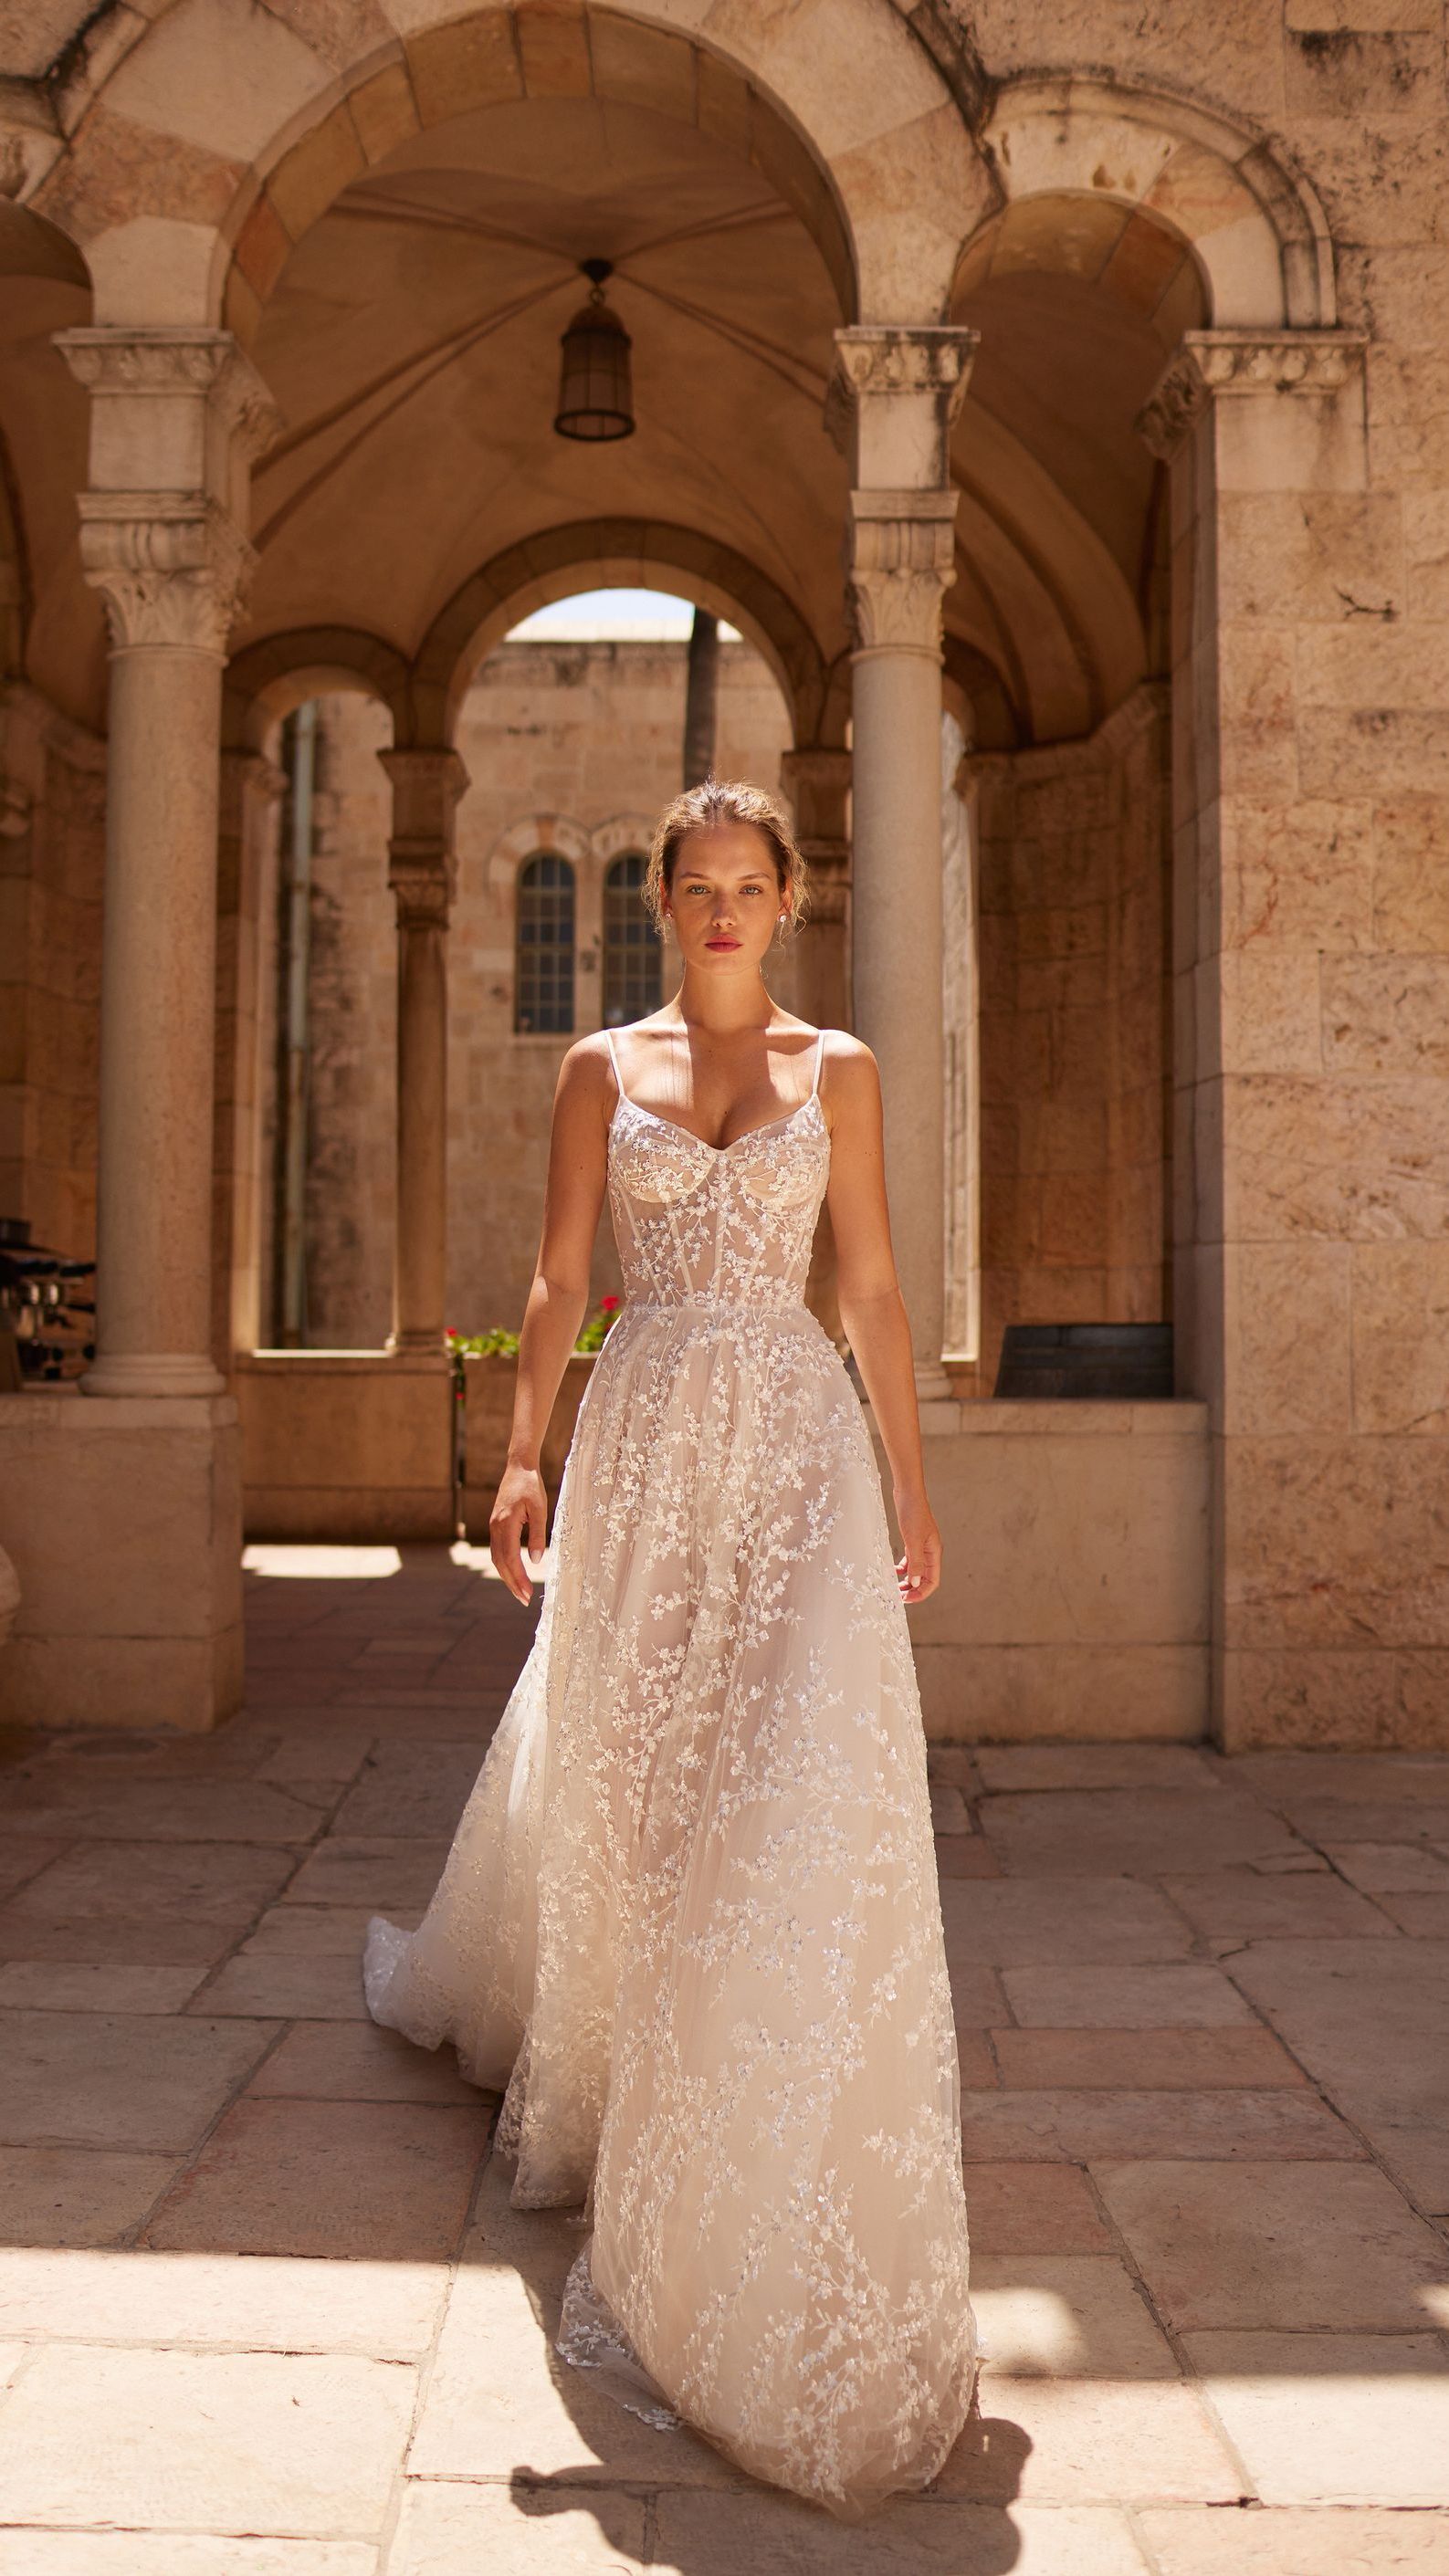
[614, 1061]
[819, 1058]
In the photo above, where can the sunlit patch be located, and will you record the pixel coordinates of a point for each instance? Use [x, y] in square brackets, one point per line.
[320, 1564]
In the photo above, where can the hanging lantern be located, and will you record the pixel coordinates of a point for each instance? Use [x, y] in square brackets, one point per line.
[595, 397]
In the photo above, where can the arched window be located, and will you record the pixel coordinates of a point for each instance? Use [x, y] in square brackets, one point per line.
[631, 950]
[545, 970]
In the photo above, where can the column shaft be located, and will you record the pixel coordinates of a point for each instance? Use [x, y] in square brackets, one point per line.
[421, 1266]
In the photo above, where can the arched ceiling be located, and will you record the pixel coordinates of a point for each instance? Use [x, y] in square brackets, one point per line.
[1079, 302]
[412, 341]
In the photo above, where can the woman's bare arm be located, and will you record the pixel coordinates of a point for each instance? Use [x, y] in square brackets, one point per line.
[557, 1300]
[872, 1308]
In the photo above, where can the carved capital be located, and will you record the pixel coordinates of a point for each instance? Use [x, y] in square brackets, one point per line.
[901, 562]
[817, 783]
[176, 362]
[894, 392]
[421, 866]
[172, 568]
[1212, 364]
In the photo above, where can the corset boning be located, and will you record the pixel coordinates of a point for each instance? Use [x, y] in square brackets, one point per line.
[698, 1225]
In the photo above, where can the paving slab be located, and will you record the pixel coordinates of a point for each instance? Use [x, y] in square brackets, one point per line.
[1138, 1833]
[1024, 1922]
[413, 1790]
[949, 1811]
[1325, 1821]
[318, 1931]
[164, 1810]
[1393, 1868]
[96, 1985]
[377, 1870]
[1423, 1916]
[23, 1857]
[978, 1997]
[384, 2311]
[1142, 2060]
[966, 1856]
[329, 2179]
[1351, 1779]
[221, 2442]
[1367, 2018]
[1068, 2441]
[1066, 2316]
[448, 2529]
[1033, 2209]
[177, 2553]
[77, 2195]
[1093, 1766]
[108, 1940]
[1085, 2127]
[1333, 2419]
[498, 2394]
[1306, 2246]
[935, 2537]
[287, 1985]
[1190, 1996]
[1244, 1905]
[191, 1883]
[1293, 2541]
[345, 2061]
[119, 2080]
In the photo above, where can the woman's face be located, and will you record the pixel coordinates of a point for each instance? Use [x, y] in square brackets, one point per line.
[724, 898]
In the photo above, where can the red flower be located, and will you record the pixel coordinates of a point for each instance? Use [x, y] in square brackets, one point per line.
[609, 1305]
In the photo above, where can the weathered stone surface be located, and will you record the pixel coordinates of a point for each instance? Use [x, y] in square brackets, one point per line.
[455, 2530]
[1242, 1905]
[1034, 2209]
[1091, 1766]
[96, 1985]
[1086, 2127]
[349, 2061]
[1292, 2541]
[1142, 2060]
[284, 1984]
[1142, 1832]
[1069, 2441]
[1066, 2316]
[378, 1872]
[1354, 2014]
[1393, 1868]
[385, 2310]
[936, 2537]
[188, 1883]
[1333, 2419]
[337, 2179]
[76, 2195]
[1023, 1921]
[93, 2435]
[120, 2080]
[1307, 2247]
[1118, 1998]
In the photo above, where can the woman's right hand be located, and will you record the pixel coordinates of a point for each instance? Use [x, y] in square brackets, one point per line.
[519, 1505]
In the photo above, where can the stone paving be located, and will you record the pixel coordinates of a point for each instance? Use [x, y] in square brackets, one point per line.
[265, 2311]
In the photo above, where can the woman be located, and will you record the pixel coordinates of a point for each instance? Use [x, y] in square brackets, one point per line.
[690, 1918]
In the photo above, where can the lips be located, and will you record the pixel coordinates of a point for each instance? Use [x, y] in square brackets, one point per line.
[721, 943]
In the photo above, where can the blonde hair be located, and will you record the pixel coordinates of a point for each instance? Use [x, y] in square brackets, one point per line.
[701, 809]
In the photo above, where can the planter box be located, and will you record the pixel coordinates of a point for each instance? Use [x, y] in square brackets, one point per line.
[487, 1411]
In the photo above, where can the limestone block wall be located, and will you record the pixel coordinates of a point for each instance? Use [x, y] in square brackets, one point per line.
[1075, 1051]
[52, 867]
[572, 747]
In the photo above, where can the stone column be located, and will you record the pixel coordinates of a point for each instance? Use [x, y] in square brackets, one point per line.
[422, 871]
[251, 792]
[1303, 1136]
[895, 395]
[177, 414]
[817, 785]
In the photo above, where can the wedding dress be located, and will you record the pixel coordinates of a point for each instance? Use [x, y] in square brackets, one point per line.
[690, 1918]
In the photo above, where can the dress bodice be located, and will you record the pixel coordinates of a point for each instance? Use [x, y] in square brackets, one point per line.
[730, 1224]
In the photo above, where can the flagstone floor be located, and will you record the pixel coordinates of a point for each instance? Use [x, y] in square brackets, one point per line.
[265, 2311]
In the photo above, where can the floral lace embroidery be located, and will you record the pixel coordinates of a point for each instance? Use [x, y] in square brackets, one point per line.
[690, 1919]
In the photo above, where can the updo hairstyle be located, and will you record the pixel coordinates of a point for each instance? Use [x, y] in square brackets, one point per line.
[725, 800]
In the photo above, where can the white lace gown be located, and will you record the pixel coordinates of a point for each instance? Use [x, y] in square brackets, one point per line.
[690, 1921]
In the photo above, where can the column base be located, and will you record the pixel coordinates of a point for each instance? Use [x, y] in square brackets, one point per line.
[152, 1373]
[123, 1521]
[413, 1345]
[932, 1384]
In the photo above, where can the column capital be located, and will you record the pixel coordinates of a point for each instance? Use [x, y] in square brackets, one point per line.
[122, 365]
[1210, 365]
[421, 863]
[172, 568]
[893, 396]
[900, 563]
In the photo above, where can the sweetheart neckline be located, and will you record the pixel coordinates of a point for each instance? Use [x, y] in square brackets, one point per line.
[811, 1101]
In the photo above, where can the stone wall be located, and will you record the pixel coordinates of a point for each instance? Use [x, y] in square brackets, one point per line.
[1075, 1053]
[52, 867]
[572, 747]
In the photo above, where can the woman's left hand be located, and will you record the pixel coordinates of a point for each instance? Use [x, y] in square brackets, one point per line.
[918, 1572]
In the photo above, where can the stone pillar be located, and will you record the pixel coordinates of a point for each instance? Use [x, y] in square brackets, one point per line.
[817, 786]
[251, 792]
[895, 395]
[422, 871]
[1309, 1256]
[177, 415]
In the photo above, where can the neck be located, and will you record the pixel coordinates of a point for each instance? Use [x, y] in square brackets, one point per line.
[725, 1005]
